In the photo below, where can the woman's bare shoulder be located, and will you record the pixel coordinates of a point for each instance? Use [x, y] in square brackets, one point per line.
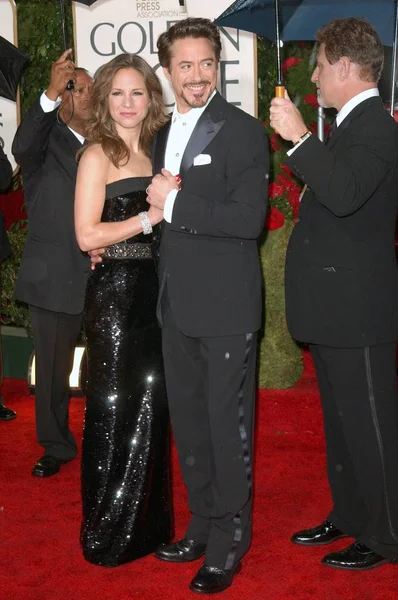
[95, 157]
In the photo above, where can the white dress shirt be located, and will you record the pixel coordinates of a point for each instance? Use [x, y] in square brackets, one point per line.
[345, 110]
[50, 105]
[181, 129]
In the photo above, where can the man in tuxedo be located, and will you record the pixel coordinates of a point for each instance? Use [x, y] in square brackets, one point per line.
[6, 414]
[53, 273]
[210, 300]
[342, 289]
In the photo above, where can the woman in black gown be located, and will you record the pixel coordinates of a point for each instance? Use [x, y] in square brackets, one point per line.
[126, 494]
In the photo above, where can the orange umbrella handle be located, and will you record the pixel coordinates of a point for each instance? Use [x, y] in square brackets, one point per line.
[279, 93]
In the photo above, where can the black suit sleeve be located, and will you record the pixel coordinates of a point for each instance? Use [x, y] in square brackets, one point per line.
[5, 171]
[242, 216]
[31, 140]
[344, 181]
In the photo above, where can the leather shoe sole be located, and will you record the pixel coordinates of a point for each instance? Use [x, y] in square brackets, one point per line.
[182, 551]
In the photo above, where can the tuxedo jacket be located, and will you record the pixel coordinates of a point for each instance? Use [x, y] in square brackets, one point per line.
[341, 270]
[209, 260]
[53, 270]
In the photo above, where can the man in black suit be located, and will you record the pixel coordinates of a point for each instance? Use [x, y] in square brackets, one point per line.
[342, 289]
[6, 414]
[53, 273]
[210, 300]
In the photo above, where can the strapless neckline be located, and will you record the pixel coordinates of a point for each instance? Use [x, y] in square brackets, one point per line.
[128, 185]
[139, 178]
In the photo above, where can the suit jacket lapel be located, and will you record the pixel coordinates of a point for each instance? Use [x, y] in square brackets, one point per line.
[356, 112]
[205, 130]
[159, 153]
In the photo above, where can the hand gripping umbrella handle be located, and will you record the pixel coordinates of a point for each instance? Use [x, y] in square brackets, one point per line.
[279, 93]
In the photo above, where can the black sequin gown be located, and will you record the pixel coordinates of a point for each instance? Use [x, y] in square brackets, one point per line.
[127, 510]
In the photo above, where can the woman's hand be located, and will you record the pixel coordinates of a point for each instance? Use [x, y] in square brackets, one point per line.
[95, 257]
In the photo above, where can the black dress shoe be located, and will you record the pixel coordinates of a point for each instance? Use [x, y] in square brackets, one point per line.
[6, 414]
[211, 580]
[47, 466]
[356, 557]
[324, 533]
[184, 550]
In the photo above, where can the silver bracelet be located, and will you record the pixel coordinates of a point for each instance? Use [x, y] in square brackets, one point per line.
[145, 222]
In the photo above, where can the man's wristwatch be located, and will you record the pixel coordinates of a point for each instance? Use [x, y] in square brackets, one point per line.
[304, 137]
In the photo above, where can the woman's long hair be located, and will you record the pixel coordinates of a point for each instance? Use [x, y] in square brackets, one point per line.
[100, 127]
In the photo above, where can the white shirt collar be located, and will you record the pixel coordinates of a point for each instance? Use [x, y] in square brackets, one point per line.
[351, 104]
[193, 114]
[78, 135]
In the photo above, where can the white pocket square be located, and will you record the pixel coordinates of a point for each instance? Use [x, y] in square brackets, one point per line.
[202, 159]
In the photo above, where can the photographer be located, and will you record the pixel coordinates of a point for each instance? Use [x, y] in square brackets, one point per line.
[53, 273]
[6, 414]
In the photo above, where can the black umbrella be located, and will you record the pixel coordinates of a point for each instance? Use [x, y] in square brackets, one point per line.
[12, 64]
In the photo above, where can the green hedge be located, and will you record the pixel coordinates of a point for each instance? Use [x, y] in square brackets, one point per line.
[40, 38]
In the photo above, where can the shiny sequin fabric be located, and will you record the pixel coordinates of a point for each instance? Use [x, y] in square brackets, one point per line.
[127, 510]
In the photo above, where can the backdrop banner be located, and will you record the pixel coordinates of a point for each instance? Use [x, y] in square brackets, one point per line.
[9, 110]
[110, 27]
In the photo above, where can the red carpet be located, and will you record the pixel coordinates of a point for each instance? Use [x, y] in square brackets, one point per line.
[39, 519]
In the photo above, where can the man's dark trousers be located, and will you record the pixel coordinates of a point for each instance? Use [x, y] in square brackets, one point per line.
[55, 336]
[359, 399]
[218, 375]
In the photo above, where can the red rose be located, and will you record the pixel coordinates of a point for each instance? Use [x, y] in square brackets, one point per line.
[286, 170]
[290, 62]
[285, 182]
[275, 219]
[311, 100]
[275, 190]
[13, 207]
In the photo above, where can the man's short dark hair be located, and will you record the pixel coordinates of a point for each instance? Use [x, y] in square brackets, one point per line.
[191, 27]
[356, 39]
